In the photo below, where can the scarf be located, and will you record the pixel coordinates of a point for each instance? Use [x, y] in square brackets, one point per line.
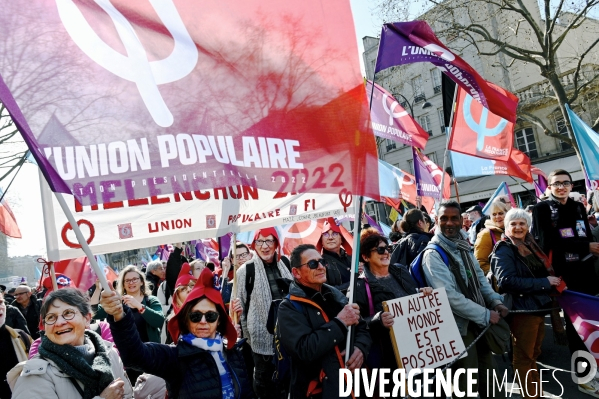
[472, 280]
[528, 249]
[257, 317]
[214, 346]
[70, 360]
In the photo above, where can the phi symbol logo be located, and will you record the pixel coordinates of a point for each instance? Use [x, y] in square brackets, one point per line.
[481, 128]
[135, 66]
[390, 110]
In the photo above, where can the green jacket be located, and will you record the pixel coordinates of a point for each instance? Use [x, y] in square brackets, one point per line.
[153, 316]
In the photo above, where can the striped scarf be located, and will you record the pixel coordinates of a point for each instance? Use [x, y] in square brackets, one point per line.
[472, 282]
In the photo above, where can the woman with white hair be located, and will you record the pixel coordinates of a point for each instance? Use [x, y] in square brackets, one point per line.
[490, 235]
[525, 273]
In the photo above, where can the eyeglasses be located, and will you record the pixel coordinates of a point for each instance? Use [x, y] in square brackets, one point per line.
[245, 254]
[381, 250]
[559, 184]
[330, 234]
[262, 242]
[196, 317]
[132, 280]
[313, 263]
[51, 318]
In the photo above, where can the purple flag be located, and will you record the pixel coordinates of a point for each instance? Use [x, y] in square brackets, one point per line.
[426, 186]
[538, 191]
[224, 244]
[408, 42]
[390, 121]
[583, 311]
[542, 183]
[373, 223]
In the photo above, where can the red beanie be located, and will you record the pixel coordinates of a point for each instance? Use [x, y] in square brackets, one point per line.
[204, 288]
[265, 233]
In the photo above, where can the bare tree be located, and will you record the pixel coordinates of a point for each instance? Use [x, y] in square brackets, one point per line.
[559, 38]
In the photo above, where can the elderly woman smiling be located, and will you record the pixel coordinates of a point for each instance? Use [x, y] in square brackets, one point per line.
[202, 364]
[72, 362]
[524, 272]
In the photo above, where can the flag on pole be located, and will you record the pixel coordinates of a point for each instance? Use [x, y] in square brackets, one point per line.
[391, 121]
[502, 190]
[478, 132]
[8, 222]
[136, 99]
[408, 42]
[538, 192]
[518, 166]
[393, 215]
[588, 144]
[428, 177]
[395, 183]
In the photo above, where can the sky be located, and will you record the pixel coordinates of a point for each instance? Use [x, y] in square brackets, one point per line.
[23, 195]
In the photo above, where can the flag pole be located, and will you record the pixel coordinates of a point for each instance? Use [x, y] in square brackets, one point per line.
[530, 191]
[449, 133]
[457, 193]
[84, 246]
[232, 314]
[53, 277]
[358, 200]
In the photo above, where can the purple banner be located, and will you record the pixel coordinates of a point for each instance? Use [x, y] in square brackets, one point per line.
[426, 186]
[408, 42]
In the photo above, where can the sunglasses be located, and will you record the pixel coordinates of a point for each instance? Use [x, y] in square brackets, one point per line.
[381, 250]
[313, 264]
[196, 317]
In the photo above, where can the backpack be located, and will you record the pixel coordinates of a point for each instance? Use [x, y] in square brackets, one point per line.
[281, 359]
[250, 277]
[416, 269]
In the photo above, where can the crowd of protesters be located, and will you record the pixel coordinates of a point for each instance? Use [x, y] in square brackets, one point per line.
[263, 325]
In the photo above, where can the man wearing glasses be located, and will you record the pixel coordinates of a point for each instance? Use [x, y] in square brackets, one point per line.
[29, 307]
[336, 251]
[259, 282]
[313, 325]
[554, 226]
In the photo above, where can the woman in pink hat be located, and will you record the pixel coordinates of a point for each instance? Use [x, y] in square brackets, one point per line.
[207, 358]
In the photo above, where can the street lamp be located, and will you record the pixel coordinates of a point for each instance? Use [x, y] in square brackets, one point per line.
[411, 105]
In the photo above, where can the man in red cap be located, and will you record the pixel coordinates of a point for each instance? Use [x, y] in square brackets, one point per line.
[259, 282]
[336, 251]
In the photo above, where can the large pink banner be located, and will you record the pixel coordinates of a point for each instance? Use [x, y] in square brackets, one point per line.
[120, 100]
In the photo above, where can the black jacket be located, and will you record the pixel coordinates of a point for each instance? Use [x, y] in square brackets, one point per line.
[187, 370]
[411, 245]
[514, 277]
[552, 236]
[31, 314]
[338, 269]
[15, 319]
[381, 355]
[154, 281]
[311, 342]
[173, 267]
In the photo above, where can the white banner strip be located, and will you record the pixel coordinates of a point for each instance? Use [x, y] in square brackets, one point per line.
[163, 219]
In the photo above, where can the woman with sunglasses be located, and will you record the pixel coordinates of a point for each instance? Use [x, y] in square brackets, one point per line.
[72, 362]
[207, 360]
[380, 282]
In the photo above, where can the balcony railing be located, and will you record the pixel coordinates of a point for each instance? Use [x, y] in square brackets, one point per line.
[437, 89]
[419, 98]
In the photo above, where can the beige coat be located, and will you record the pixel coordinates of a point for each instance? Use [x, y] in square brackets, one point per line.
[41, 378]
[18, 344]
[484, 245]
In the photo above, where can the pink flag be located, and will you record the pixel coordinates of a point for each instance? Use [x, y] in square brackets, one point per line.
[127, 100]
[390, 121]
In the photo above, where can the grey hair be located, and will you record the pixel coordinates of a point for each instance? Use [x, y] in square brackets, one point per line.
[516, 213]
[153, 265]
[70, 296]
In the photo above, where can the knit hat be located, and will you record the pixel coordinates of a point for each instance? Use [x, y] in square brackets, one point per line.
[265, 233]
[331, 225]
[204, 288]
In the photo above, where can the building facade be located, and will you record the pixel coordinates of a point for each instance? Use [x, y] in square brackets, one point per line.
[418, 89]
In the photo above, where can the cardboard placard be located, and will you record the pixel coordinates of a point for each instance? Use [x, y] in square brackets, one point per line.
[424, 333]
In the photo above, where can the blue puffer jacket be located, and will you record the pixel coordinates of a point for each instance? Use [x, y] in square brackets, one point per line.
[514, 277]
[188, 370]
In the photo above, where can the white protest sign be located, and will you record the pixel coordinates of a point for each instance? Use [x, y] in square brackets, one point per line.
[161, 219]
[424, 332]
